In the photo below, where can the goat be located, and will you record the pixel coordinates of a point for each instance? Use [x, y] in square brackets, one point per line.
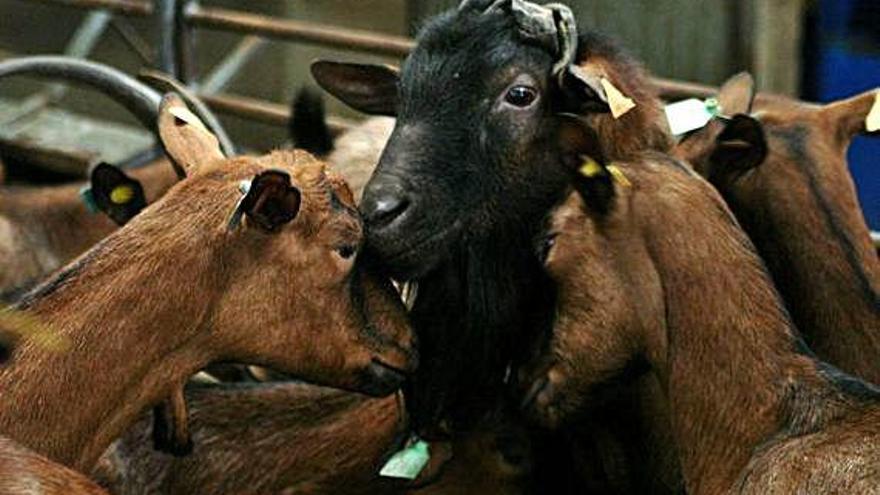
[468, 175]
[660, 272]
[353, 154]
[265, 438]
[42, 228]
[23, 472]
[799, 207]
[126, 323]
[463, 184]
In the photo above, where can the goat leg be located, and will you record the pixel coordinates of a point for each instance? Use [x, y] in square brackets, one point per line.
[171, 425]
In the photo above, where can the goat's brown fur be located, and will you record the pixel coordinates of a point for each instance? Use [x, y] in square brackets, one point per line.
[23, 472]
[269, 438]
[643, 127]
[175, 289]
[42, 228]
[800, 209]
[667, 275]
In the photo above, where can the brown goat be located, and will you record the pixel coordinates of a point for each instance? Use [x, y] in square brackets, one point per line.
[42, 228]
[207, 273]
[659, 271]
[268, 438]
[800, 209]
[23, 472]
[356, 151]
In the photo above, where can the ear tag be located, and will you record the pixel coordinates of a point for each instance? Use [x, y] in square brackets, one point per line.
[590, 168]
[618, 176]
[121, 195]
[872, 121]
[88, 198]
[408, 462]
[617, 101]
[691, 114]
[187, 116]
[244, 188]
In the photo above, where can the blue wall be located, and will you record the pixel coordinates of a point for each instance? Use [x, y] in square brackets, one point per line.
[849, 63]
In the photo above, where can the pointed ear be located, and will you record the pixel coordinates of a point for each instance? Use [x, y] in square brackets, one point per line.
[737, 94]
[857, 115]
[271, 200]
[117, 195]
[576, 139]
[371, 89]
[740, 146]
[585, 161]
[583, 91]
[186, 140]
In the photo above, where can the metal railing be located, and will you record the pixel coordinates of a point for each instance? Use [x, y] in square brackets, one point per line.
[181, 16]
[176, 19]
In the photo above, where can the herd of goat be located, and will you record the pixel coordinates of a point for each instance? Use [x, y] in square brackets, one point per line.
[583, 302]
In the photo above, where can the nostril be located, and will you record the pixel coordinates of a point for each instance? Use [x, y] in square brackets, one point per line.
[388, 208]
[384, 204]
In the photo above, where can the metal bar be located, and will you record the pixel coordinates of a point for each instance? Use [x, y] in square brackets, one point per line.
[263, 111]
[124, 7]
[289, 30]
[165, 19]
[185, 42]
[875, 236]
[675, 90]
[134, 40]
[285, 29]
[80, 45]
[165, 83]
[224, 72]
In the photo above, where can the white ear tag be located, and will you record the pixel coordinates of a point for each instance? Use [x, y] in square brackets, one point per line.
[244, 188]
[872, 121]
[689, 115]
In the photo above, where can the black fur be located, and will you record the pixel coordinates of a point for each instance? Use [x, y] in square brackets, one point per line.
[483, 296]
[308, 123]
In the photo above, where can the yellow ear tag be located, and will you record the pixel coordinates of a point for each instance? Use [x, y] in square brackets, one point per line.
[872, 122]
[187, 116]
[590, 168]
[618, 176]
[121, 195]
[618, 102]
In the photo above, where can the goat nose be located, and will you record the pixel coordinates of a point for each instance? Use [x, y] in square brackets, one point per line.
[384, 203]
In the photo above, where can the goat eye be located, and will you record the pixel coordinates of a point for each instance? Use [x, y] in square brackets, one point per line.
[544, 246]
[347, 251]
[521, 96]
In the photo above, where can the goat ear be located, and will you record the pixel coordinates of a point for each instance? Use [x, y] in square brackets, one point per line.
[117, 195]
[740, 146]
[186, 140]
[857, 115]
[737, 94]
[371, 89]
[271, 200]
[583, 91]
[585, 161]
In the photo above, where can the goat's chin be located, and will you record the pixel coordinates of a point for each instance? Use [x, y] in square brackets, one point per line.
[546, 398]
[412, 256]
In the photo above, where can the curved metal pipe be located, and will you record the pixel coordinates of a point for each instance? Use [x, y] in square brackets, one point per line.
[138, 98]
[168, 84]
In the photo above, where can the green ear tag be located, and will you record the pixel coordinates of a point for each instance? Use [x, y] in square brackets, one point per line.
[88, 198]
[408, 462]
[713, 106]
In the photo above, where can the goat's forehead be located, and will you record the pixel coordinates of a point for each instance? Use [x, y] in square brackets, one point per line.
[468, 46]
